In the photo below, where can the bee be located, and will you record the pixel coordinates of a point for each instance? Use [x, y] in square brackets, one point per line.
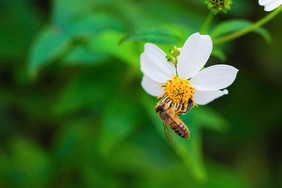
[170, 118]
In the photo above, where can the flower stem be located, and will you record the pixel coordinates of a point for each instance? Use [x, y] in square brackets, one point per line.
[206, 24]
[248, 29]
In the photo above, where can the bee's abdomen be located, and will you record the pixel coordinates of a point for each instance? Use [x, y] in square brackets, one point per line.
[175, 123]
[180, 128]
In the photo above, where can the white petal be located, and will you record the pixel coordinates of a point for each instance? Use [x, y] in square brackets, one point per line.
[264, 2]
[205, 97]
[154, 64]
[152, 87]
[273, 5]
[261, 2]
[214, 77]
[194, 55]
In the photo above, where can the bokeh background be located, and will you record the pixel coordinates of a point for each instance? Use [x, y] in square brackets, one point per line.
[73, 113]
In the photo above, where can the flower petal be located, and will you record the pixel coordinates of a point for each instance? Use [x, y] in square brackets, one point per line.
[214, 77]
[264, 2]
[205, 97]
[272, 5]
[154, 64]
[152, 87]
[194, 55]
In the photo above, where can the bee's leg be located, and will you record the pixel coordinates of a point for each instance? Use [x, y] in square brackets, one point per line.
[161, 104]
[164, 98]
[190, 104]
[185, 108]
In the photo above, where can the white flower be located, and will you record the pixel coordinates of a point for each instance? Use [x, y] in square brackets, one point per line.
[270, 5]
[186, 81]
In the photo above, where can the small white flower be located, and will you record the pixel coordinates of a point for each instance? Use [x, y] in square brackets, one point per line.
[270, 5]
[186, 82]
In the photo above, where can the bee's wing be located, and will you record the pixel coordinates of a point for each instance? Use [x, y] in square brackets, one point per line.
[168, 133]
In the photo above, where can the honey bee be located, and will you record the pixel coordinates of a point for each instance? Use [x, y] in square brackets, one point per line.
[170, 117]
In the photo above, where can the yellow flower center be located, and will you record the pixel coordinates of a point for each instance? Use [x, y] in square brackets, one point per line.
[179, 94]
[178, 89]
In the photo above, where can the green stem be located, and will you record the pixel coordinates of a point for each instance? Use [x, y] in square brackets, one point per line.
[248, 29]
[206, 24]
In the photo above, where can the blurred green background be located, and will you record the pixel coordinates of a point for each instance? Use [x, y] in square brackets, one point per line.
[73, 113]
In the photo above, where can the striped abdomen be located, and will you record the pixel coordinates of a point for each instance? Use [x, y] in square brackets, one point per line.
[175, 123]
[180, 128]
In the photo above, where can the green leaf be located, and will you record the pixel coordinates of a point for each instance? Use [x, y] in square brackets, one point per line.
[72, 142]
[177, 30]
[218, 53]
[207, 118]
[188, 150]
[25, 165]
[236, 25]
[54, 41]
[90, 25]
[228, 176]
[159, 36]
[89, 89]
[66, 10]
[108, 43]
[15, 33]
[49, 45]
[82, 55]
[119, 121]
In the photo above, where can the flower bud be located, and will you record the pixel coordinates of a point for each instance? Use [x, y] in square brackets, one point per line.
[217, 6]
[174, 53]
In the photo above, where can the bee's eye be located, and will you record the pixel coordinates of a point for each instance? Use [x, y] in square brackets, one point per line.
[190, 101]
[160, 108]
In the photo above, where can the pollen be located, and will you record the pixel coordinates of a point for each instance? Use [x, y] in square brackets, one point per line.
[178, 91]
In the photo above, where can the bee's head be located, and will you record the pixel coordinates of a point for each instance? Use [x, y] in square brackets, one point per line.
[160, 108]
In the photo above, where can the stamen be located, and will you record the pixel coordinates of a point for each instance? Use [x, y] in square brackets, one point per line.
[178, 91]
[178, 94]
